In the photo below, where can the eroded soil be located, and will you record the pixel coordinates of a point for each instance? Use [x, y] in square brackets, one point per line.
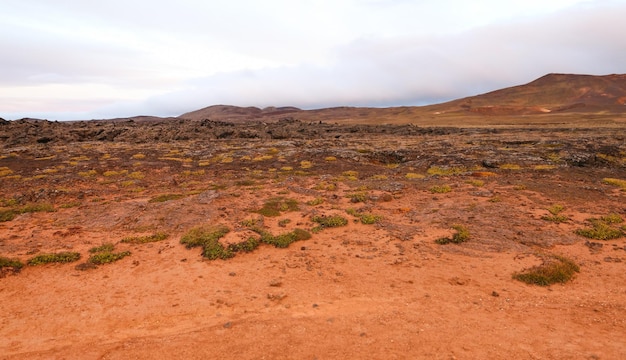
[383, 290]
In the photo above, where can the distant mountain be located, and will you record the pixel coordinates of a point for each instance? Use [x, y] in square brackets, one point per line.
[552, 93]
[237, 114]
[549, 93]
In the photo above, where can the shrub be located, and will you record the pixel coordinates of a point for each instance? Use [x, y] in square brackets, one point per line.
[145, 239]
[284, 240]
[440, 189]
[107, 257]
[462, 235]
[555, 269]
[62, 257]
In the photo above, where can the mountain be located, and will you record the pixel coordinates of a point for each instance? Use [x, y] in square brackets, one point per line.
[552, 93]
[549, 93]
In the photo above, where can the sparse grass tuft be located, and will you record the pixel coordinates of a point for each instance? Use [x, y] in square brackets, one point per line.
[476, 183]
[440, 189]
[357, 197]
[145, 239]
[316, 201]
[555, 269]
[7, 215]
[510, 167]
[62, 257]
[462, 235]
[612, 218]
[414, 176]
[445, 171]
[615, 182]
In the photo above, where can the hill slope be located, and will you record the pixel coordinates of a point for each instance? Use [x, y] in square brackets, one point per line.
[548, 94]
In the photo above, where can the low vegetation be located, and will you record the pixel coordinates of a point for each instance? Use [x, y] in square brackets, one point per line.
[329, 221]
[440, 189]
[14, 264]
[615, 182]
[10, 213]
[364, 218]
[461, 235]
[554, 269]
[555, 214]
[107, 257]
[62, 257]
[166, 197]
[600, 230]
[275, 206]
[208, 237]
[145, 239]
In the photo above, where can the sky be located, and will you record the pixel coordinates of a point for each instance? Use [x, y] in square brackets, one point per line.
[80, 60]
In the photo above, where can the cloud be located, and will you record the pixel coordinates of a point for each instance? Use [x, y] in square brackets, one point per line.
[417, 70]
[78, 60]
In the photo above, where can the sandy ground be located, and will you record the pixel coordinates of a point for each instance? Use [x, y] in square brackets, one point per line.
[381, 291]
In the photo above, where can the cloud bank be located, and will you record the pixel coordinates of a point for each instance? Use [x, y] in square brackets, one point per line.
[377, 69]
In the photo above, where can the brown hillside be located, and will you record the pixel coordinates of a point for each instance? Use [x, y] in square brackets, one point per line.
[549, 93]
[552, 93]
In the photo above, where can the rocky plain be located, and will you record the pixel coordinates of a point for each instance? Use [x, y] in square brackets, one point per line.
[290, 236]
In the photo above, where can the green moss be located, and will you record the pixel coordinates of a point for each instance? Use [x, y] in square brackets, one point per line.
[12, 263]
[145, 239]
[555, 269]
[330, 221]
[245, 246]
[275, 206]
[107, 257]
[208, 237]
[102, 248]
[62, 257]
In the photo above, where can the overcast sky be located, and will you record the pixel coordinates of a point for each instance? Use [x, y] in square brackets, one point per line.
[77, 59]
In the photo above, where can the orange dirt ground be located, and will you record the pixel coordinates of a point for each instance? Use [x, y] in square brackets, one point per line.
[379, 291]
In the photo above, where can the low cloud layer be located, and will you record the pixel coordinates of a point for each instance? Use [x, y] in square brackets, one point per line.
[370, 70]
